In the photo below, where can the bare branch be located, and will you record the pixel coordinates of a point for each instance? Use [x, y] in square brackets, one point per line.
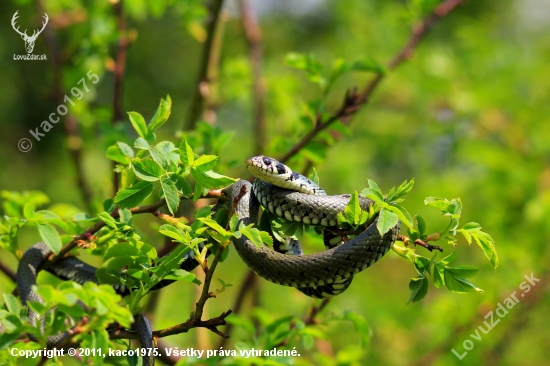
[74, 140]
[197, 101]
[8, 272]
[253, 36]
[120, 66]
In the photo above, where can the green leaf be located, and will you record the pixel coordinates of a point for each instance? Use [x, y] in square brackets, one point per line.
[28, 210]
[354, 215]
[464, 271]
[486, 243]
[419, 289]
[458, 284]
[160, 157]
[12, 304]
[386, 220]
[421, 224]
[141, 144]
[205, 162]
[369, 65]
[361, 325]
[115, 153]
[174, 233]
[314, 176]
[50, 237]
[181, 275]
[303, 62]
[133, 196]
[373, 194]
[147, 169]
[108, 220]
[214, 225]
[186, 154]
[181, 184]
[402, 214]
[170, 194]
[439, 274]
[251, 233]
[472, 227]
[161, 115]
[211, 180]
[121, 250]
[139, 124]
[242, 323]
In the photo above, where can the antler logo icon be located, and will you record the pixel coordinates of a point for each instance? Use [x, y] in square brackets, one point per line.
[29, 40]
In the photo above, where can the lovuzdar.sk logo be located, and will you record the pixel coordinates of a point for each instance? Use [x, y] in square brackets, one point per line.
[29, 40]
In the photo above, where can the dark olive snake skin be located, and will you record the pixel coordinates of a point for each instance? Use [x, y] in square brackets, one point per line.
[323, 274]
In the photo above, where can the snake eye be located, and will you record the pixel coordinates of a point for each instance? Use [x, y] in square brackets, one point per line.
[267, 161]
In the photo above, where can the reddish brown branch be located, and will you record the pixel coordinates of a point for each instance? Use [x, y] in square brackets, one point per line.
[210, 324]
[119, 68]
[201, 87]
[253, 36]
[350, 107]
[74, 140]
[7, 271]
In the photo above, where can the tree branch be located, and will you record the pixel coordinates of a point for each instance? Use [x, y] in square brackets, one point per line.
[120, 65]
[354, 100]
[253, 37]
[210, 324]
[8, 272]
[74, 140]
[201, 86]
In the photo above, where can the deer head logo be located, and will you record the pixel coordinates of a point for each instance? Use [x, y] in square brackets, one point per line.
[29, 40]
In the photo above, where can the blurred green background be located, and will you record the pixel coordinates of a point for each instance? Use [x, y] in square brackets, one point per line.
[467, 116]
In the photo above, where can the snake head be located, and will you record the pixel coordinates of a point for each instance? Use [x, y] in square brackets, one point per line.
[267, 168]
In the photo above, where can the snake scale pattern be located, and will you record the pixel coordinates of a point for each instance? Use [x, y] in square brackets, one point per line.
[285, 194]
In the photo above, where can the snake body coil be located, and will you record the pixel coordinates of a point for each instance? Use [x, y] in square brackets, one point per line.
[320, 275]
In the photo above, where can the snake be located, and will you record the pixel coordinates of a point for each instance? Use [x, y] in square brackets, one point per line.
[285, 194]
[294, 197]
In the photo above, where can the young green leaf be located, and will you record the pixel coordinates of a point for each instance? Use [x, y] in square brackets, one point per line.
[139, 124]
[50, 237]
[457, 284]
[419, 288]
[186, 154]
[147, 169]
[170, 194]
[134, 195]
[386, 220]
[161, 115]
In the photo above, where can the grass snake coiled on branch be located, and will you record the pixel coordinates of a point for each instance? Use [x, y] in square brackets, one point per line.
[285, 194]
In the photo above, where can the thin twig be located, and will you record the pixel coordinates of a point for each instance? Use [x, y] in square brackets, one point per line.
[201, 86]
[353, 100]
[7, 271]
[120, 65]
[70, 124]
[210, 324]
[253, 36]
